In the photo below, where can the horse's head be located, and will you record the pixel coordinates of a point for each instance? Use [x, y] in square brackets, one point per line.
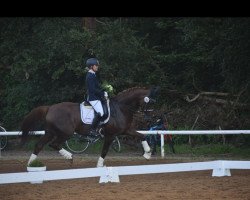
[137, 96]
[153, 93]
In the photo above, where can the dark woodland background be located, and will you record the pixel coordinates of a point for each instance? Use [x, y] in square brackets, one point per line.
[201, 64]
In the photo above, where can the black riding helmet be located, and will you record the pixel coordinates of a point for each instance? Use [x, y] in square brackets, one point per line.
[92, 61]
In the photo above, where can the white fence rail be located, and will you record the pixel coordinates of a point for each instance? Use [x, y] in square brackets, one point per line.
[16, 133]
[192, 132]
[161, 132]
[111, 174]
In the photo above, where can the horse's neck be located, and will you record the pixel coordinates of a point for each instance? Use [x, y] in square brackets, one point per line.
[127, 100]
[129, 105]
[131, 98]
[123, 109]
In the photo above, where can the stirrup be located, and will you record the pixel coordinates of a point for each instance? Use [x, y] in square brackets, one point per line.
[94, 133]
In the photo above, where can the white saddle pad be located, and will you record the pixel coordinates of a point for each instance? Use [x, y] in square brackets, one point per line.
[87, 114]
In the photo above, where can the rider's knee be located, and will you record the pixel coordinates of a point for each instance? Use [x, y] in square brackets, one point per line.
[100, 114]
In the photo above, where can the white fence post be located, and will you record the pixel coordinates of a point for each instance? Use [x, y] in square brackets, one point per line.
[221, 169]
[162, 146]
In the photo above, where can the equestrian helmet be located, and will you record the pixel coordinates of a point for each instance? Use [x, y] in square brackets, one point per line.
[92, 61]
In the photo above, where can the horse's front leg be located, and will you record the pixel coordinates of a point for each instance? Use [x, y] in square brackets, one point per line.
[147, 151]
[105, 148]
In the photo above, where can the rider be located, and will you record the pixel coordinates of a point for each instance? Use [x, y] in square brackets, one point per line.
[95, 94]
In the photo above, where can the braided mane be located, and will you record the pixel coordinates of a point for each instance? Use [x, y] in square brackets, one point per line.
[127, 92]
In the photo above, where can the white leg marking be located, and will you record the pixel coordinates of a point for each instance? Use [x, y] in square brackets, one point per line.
[65, 153]
[100, 162]
[32, 158]
[145, 146]
[147, 155]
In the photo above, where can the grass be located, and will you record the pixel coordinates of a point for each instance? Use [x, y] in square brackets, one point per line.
[212, 150]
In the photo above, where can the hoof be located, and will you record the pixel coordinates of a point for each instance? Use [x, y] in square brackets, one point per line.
[147, 155]
[101, 166]
[71, 160]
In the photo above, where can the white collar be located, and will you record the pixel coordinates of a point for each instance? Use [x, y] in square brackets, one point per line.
[91, 71]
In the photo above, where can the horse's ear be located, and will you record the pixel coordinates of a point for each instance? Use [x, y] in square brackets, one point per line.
[157, 89]
[154, 91]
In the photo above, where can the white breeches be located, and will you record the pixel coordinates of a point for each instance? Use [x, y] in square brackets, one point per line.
[97, 105]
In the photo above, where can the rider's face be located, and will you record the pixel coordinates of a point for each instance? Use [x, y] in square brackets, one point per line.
[95, 68]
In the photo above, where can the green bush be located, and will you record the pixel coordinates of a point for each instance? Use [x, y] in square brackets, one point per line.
[36, 163]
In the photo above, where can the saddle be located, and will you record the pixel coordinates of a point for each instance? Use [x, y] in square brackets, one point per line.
[88, 113]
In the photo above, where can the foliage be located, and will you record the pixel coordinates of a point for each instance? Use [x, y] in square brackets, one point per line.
[36, 163]
[43, 59]
[124, 56]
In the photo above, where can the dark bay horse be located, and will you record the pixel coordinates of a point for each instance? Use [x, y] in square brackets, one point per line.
[63, 119]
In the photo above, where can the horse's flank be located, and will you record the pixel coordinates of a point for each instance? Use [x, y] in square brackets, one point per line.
[31, 119]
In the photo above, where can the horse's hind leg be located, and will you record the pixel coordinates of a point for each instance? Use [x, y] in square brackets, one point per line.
[39, 146]
[57, 145]
[107, 142]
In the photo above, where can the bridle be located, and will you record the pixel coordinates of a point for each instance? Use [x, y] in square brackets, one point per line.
[149, 99]
[144, 106]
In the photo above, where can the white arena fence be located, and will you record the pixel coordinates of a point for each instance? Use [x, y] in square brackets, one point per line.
[160, 132]
[111, 174]
[192, 132]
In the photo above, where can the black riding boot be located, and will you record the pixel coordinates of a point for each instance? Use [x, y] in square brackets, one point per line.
[94, 132]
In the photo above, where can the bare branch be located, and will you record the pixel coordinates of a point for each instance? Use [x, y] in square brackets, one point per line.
[193, 99]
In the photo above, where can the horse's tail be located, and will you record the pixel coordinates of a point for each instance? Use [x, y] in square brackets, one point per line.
[31, 120]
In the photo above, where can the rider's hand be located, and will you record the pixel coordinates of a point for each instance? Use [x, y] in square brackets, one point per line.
[105, 94]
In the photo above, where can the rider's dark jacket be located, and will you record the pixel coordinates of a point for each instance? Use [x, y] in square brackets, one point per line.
[94, 90]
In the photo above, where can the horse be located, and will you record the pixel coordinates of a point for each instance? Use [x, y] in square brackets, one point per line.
[63, 119]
